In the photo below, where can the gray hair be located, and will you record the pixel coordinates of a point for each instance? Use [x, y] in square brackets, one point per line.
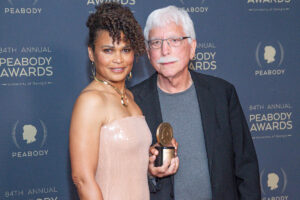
[161, 17]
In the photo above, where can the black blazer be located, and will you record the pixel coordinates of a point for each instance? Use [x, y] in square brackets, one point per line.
[232, 161]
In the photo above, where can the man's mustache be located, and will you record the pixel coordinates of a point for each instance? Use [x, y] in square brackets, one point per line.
[166, 60]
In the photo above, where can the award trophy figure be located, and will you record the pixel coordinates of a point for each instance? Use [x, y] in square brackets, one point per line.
[164, 135]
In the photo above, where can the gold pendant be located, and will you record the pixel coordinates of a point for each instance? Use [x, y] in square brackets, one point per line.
[123, 102]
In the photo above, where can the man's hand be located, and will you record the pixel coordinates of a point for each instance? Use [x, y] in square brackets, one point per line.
[168, 168]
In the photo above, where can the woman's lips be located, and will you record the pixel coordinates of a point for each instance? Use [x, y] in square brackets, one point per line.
[118, 69]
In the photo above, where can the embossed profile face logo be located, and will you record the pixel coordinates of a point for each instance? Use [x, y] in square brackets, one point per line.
[17, 2]
[28, 134]
[273, 182]
[269, 54]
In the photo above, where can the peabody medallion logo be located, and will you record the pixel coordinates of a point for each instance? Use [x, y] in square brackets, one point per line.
[269, 58]
[29, 137]
[273, 184]
[23, 7]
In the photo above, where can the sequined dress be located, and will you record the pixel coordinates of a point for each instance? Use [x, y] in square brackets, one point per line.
[123, 159]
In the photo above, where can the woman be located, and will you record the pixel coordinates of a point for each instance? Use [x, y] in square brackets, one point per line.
[109, 137]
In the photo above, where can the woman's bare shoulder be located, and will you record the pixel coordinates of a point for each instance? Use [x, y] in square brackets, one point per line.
[89, 110]
[89, 97]
[91, 101]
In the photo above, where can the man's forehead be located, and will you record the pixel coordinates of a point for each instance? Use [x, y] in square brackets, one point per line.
[169, 30]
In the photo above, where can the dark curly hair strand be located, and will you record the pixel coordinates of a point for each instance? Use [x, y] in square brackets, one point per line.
[115, 18]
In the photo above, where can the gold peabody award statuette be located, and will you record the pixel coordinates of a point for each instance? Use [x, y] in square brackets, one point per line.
[164, 135]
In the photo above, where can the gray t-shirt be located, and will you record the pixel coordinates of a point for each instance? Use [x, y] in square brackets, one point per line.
[181, 110]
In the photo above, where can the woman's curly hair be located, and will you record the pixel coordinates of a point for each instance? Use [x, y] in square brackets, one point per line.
[115, 18]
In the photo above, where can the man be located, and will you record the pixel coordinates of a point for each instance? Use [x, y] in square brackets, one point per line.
[216, 152]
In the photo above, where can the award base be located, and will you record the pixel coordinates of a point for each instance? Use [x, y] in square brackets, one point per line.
[164, 153]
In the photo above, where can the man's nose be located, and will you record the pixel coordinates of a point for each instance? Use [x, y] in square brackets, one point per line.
[165, 48]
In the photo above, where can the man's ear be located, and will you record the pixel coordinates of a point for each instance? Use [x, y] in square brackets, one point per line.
[91, 54]
[148, 54]
[193, 49]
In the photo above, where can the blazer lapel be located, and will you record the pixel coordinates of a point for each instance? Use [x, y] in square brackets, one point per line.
[208, 114]
[150, 105]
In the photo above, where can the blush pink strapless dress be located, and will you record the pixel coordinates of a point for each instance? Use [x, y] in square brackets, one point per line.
[123, 159]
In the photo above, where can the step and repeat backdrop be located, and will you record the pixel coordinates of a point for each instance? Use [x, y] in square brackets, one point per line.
[254, 44]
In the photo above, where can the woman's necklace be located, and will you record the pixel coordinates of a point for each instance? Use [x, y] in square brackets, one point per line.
[123, 95]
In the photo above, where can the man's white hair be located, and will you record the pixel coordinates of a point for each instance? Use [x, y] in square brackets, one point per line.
[163, 16]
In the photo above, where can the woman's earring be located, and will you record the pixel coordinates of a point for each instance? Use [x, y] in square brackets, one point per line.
[93, 69]
[129, 76]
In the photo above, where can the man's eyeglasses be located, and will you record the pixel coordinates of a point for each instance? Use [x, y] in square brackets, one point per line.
[172, 42]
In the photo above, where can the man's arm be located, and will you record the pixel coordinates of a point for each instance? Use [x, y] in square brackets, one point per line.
[246, 164]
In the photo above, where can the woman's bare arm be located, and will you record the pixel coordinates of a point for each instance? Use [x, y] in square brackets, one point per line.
[84, 144]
